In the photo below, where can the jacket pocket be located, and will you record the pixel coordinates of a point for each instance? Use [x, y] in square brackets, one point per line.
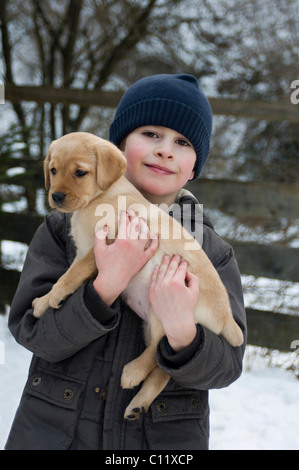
[47, 415]
[178, 421]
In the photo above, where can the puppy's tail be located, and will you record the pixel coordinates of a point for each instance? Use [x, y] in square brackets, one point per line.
[233, 333]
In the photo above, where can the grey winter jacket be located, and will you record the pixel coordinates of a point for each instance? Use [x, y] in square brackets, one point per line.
[73, 398]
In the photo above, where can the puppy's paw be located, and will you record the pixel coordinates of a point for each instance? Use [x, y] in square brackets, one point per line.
[40, 305]
[132, 375]
[134, 413]
[56, 297]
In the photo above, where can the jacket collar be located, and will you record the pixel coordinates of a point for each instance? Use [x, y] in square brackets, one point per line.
[186, 197]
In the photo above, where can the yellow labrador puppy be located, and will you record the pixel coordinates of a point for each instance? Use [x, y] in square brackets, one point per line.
[84, 175]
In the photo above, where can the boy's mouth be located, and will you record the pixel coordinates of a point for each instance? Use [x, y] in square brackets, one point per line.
[159, 170]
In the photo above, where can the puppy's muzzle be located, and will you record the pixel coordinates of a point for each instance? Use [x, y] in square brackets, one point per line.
[58, 198]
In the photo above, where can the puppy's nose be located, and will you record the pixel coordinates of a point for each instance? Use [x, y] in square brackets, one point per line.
[58, 198]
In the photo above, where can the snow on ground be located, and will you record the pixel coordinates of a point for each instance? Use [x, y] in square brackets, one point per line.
[258, 412]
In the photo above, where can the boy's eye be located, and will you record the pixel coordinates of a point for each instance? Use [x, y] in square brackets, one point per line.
[150, 134]
[80, 173]
[183, 142]
[53, 171]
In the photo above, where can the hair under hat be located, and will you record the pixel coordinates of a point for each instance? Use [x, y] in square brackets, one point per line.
[173, 101]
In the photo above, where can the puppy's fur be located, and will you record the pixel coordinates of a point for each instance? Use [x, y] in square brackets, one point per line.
[82, 172]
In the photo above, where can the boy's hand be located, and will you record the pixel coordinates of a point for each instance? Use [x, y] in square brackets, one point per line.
[173, 294]
[119, 262]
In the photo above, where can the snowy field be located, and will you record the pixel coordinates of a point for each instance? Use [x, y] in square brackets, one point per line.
[258, 412]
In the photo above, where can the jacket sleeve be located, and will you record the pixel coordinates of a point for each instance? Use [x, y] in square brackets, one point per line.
[214, 363]
[58, 334]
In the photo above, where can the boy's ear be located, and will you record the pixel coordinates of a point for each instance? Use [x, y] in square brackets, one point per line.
[191, 175]
[111, 164]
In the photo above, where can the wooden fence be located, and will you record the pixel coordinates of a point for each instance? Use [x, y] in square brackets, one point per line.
[265, 328]
[270, 111]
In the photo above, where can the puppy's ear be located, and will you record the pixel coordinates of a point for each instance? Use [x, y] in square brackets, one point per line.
[111, 164]
[46, 166]
[46, 171]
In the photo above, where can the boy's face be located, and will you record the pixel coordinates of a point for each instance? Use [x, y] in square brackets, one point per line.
[160, 162]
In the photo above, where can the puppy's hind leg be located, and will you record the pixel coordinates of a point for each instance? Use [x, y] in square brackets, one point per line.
[137, 370]
[79, 272]
[151, 387]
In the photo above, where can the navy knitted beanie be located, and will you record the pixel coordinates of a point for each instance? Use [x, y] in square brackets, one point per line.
[173, 101]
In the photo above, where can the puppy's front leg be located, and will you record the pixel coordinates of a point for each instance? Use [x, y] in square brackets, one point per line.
[40, 305]
[79, 272]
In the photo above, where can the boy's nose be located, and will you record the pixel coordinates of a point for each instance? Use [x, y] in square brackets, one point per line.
[164, 151]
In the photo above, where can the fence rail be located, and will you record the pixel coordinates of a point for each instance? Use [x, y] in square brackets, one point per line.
[261, 110]
[272, 330]
[248, 199]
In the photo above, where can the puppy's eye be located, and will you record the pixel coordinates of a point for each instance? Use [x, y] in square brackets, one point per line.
[53, 171]
[80, 173]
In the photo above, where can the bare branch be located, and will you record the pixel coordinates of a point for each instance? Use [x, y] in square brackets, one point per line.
[6, 47]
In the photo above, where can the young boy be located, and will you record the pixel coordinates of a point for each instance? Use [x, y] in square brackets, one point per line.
[73, 398]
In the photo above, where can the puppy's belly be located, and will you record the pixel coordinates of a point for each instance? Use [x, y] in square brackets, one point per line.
[136, 295]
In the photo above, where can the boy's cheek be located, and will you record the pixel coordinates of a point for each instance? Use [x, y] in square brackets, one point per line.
[134, 157]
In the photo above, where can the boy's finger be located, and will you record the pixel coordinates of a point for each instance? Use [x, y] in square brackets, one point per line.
[154, 276]
[122, 226]
[133, 228]
[131, 214]
[163, 268]
[102, 233]
[172, 267]
[192, 280]
[182, 269]
[143, 230]
[151, 249]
